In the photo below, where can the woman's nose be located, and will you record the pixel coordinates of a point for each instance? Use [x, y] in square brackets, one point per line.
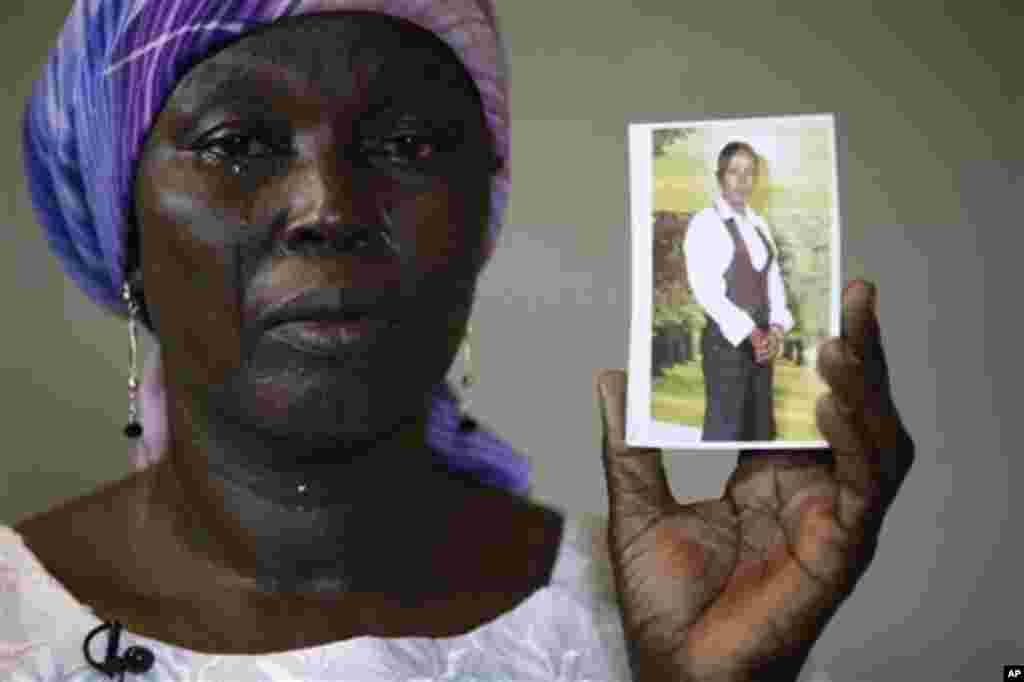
[324, 190]
[329, 203]
[336, 208]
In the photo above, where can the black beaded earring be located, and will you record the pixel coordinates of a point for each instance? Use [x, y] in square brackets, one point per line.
[466, 423]
[133, 429]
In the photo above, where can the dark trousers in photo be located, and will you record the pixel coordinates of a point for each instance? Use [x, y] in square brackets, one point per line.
[737, 390]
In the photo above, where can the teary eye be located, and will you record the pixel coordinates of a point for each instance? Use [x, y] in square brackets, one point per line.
[405, 148]
[410, 143]
[235, 145]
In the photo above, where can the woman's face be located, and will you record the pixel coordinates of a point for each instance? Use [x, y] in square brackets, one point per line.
[738, 178]
[312, 202]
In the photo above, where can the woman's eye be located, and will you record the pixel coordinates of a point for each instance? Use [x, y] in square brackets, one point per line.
[407, 149]
[235, 146]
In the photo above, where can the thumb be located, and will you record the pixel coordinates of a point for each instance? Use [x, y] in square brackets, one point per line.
[637, 485]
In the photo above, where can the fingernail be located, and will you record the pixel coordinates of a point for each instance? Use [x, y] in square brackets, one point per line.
[871, 291]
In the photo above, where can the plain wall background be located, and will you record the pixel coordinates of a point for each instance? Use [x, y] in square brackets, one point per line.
[930, 99]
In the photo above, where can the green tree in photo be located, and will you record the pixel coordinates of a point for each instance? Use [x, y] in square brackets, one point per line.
[668, 136]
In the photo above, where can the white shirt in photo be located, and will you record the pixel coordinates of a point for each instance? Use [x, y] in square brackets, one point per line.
[709, 250]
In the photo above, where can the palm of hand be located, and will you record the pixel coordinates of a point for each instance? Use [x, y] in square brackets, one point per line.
[739, 588]
[745, 581]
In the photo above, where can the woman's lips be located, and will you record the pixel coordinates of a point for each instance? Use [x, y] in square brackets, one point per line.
[325, 336]
[327, 320]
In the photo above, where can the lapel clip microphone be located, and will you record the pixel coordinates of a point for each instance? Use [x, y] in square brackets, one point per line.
[135, 659]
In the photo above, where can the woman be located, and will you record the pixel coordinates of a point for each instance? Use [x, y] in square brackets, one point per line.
[297, 201]
[735, 275]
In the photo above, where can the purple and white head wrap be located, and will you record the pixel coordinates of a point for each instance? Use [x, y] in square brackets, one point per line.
[106, 80]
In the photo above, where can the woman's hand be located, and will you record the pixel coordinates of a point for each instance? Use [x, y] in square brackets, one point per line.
[776, 338]
[740, 588]
[767, 344]
[759, 344]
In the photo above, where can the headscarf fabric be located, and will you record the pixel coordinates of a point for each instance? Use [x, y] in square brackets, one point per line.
[114, 65]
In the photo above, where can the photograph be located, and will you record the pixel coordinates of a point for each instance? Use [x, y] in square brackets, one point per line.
[736, 265]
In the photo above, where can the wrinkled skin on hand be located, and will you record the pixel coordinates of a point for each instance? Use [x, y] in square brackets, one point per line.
[740, 587]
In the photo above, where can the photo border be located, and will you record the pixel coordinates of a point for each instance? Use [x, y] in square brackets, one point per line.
[641, 429]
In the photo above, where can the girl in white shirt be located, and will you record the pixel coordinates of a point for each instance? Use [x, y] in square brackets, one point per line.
[735, 276]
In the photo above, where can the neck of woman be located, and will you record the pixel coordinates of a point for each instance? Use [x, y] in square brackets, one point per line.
[737, 205]
[299, 516]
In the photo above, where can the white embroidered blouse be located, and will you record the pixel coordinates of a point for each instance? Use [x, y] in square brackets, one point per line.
[568, 631]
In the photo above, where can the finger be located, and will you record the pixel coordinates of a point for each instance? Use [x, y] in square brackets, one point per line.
[855, 365]
[843, 374]
[856, 369]
[863, 338]
[868, 476]
[857, 315]
[855, 472]
[637, 485]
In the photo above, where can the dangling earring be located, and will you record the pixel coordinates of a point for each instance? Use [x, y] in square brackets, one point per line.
[134, 428]
[466, 422]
